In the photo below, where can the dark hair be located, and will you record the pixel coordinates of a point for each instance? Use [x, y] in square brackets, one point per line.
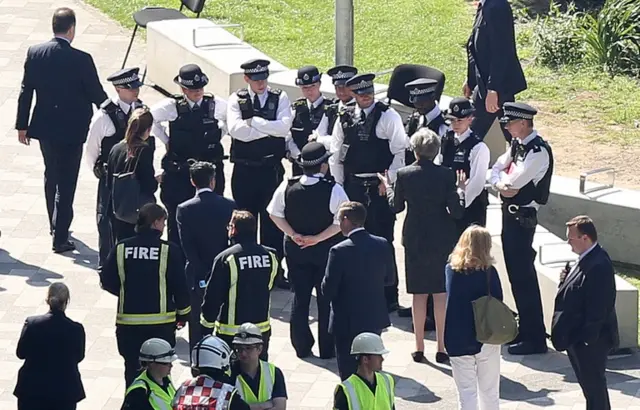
[355, 212]
[585, 226]
[58, 296]
[63, 19]
[245, 224]
[202, 173]
[148, 214]
[140, 122]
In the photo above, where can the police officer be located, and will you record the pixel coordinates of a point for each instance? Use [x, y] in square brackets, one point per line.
[196, 126]
[522, 176]
[369, 387]
[259, 119]
[305, 209]
[107, 128]
[154, 385]
[146, 273]
[422, 94]
[259, 383]
[239, 288]
[369, 139]
[211, 387]
[466, 154]
[309, 112]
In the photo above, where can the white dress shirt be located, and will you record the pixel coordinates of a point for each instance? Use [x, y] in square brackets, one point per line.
[321, 130]
[277, 205]
[101, 126]
[533, 168]
[166, 111]
[583, 254]
[432, 115]
[479, 159]
[389, 127]
[260, 128]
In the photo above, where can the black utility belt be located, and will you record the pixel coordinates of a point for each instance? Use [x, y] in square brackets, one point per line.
[527, 216]
[363, 179]
[266, 162]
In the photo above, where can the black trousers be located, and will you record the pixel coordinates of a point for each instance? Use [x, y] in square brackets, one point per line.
[131, 338]
[252, 189]
[519, 259]
[306, 271]
[195, 329]
[347, 363]
[61, 169]
[476, 213]
[380, 221]
[121, 230]
[483, 120]
[266, 336]
[44, 404]
[103, 220]
[589, 365]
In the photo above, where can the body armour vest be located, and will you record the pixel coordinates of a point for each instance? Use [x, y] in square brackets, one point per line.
[456, 156]
[363, 151]
[264, 151]
[307, 206]
[531, 192]
[119, 119]
[332, 110]
[414, 121]
[195, 133]
[306, 120]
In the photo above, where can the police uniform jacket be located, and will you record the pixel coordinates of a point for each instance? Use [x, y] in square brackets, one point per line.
[239, 288]
[147, 275]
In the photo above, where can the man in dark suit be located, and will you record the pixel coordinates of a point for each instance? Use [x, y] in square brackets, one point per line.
[584, 318]
[494, 74]
[202, 227]
[66, 83]
[358, 269]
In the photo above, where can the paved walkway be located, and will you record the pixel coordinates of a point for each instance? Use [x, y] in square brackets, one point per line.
[27, 267]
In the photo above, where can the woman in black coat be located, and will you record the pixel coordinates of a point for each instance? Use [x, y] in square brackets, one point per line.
[429, 232]
[51, 346]
[133, 154]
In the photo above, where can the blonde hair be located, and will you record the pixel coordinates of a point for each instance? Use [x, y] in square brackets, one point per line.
[473, 250]
[58, 296]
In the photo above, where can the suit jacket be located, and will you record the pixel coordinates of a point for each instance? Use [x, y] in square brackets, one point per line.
[357, 271]
[584, 308]
[202, 226]
[51, 346]
[493, 62]
[66, 83]
[142, 162]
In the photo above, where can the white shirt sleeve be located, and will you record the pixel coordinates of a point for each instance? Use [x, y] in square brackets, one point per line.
[338, 197]
[100, 127]
[336, 167]
[239, 128]
[293, 149]
[220, 113]
[479, 157]
[533, 168]
[324, 133]
[282, 125]
[163, 111]
[391, 127]
[276, 206]
[501, 164]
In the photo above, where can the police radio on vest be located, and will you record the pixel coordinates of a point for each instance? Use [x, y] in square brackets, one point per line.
[255, 261]
[141, 252]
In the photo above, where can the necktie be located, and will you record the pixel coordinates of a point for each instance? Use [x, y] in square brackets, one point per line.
[196, 107]
[256, 102]
[363, 116]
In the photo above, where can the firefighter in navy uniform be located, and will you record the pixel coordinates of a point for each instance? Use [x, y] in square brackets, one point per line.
[522, 176]
[369, 139]
[146, 273]
[107, 128]
[196, 126]
[465, 153]
[308, 114]
[259, 119]
[305, 209]
[239, 289]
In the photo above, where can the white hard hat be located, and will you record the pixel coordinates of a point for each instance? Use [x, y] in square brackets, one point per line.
[211, 352]
[157, 351]
[368, 343]
[248, 334]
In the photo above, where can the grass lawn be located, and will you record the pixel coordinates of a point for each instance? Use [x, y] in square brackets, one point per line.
[433, 32]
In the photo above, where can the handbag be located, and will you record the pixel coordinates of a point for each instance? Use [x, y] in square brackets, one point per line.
[494, 321]
[126, 195]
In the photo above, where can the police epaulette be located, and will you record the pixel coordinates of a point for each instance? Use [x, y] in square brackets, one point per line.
[208, 95]
[294, 179]
[275, 91]
[537, 148]
[108, 105]
[300, 101]
[329, 179]
[242, 93]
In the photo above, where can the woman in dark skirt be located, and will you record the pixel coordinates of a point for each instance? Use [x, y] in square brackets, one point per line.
[429, 232]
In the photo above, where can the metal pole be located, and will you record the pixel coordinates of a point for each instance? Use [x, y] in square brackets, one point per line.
[344, 32]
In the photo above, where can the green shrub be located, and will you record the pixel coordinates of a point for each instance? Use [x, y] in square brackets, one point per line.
[557, 37]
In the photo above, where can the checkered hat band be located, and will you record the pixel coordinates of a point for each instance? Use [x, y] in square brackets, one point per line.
[185, 82]
[518, 114]
[418, 91]
[256, 70]
[341, 76]
[313, 163]
[362, 84]
[126, 80]
[466, 112]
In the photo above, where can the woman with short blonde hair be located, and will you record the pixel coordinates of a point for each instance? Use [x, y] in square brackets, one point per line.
[470, 275]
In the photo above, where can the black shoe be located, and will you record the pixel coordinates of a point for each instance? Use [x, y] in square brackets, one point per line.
[516, 340]
[418, 357]
[392, 307]
[328, 355]
[303, 355]
[442, 358]
[527, 348]
[405, 312]
[64, 247]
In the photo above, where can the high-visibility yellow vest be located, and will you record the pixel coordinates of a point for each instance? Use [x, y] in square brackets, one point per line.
[265, 390]
[158, 397]
[360, 397]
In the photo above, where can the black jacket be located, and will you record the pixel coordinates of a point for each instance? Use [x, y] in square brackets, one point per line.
[202, 225]
[66, 83]
[584, 308]
[357, 271]
[51, 346]
[145, 172]
[493, 62]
